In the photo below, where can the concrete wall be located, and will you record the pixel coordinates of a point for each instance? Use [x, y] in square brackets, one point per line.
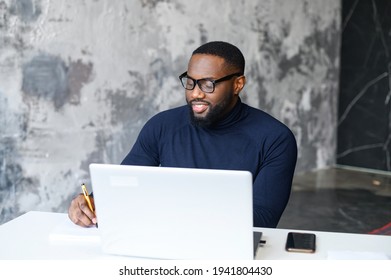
[78, 79]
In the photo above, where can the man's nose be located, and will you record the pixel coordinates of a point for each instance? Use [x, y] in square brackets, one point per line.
[197, 92]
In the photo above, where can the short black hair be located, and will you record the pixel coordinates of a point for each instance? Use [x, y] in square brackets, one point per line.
[232, 55]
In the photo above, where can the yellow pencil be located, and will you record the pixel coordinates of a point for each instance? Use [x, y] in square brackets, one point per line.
[87, 197]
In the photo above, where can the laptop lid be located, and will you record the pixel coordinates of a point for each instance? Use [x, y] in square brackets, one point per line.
[173, 213]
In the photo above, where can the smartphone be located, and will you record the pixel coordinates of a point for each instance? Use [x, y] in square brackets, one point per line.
[300, 242]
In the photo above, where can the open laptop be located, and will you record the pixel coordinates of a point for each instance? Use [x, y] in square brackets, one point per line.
[174, 213]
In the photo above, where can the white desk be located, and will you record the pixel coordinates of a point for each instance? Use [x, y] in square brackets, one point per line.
[27, 238]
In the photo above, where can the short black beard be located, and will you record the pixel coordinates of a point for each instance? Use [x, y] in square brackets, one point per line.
[214, 115]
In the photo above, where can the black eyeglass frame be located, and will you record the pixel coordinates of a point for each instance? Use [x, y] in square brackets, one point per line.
[214, 82]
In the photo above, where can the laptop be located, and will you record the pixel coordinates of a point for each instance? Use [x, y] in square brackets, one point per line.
[174, 213]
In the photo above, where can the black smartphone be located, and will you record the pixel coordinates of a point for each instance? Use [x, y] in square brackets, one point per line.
[300, 242]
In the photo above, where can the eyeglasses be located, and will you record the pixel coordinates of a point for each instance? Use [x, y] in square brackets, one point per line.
[206, 85]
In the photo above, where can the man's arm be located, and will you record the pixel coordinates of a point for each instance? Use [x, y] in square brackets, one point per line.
[272, 185]
[146, 150]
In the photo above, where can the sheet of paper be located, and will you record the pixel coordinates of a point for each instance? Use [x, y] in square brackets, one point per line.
[68, 232]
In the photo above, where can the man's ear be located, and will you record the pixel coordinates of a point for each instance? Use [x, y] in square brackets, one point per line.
[239, 84]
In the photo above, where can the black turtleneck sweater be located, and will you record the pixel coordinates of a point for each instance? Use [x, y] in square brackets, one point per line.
[246, 139]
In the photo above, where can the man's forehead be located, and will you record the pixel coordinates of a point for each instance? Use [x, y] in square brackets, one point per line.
[205, 65]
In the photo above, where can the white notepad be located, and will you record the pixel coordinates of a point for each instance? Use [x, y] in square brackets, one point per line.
[67, 232]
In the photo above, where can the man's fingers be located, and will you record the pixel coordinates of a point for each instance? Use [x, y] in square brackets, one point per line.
[87, 211]
[79, 213]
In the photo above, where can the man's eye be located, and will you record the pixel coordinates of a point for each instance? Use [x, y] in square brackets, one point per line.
[207, 85]
[189, 82]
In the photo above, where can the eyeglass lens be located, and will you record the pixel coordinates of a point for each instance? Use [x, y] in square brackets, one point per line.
[204, 85]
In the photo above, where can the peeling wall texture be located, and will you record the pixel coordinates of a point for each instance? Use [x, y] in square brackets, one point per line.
[78, 79]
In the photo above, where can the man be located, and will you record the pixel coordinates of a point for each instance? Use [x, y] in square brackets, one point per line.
[216, 130]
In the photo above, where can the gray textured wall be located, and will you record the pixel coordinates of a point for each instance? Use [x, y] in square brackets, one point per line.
[78, 79]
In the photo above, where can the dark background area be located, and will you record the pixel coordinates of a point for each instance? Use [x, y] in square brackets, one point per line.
[365, 82]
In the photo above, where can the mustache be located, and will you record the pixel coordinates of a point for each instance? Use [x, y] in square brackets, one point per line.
[198, 101]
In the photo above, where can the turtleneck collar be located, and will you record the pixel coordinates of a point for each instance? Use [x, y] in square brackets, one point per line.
[232, 117]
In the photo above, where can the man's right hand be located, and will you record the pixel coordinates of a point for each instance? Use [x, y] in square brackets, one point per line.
[80, 214]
